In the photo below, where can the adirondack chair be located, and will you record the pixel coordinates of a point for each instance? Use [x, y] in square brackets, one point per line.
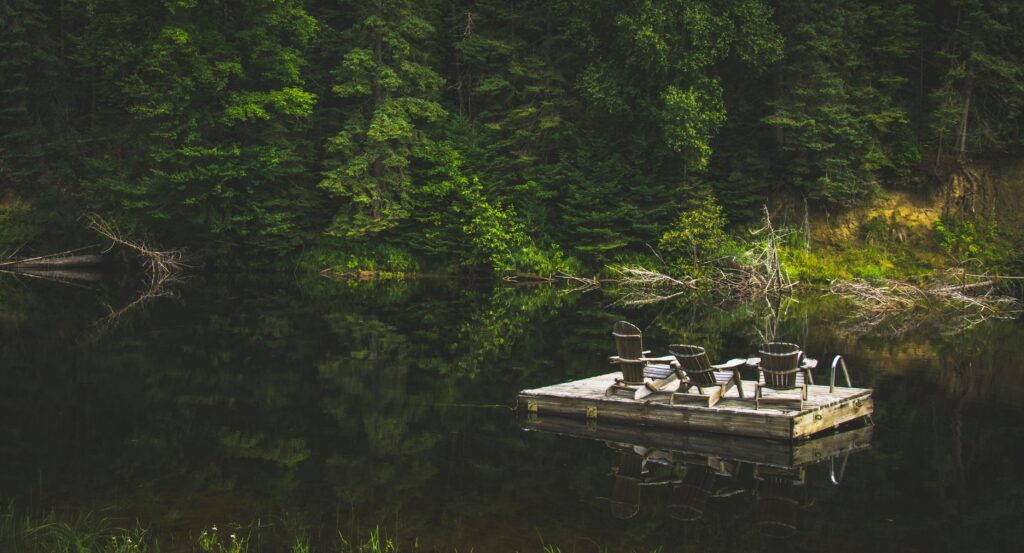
[716, 379]
[781, 367]
[635, 365]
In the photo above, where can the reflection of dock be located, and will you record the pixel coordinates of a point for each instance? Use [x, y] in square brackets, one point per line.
[676, 445]
[732, 415]
[682, 474]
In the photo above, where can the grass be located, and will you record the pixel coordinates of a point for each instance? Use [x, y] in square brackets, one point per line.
[83, 534]
[89, 533]
[92, 534]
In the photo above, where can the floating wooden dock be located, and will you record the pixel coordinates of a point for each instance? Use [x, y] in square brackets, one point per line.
[586, 399]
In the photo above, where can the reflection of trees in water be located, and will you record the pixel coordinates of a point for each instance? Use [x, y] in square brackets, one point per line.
[248, 398]
[948, 410]
[249, 391]
[379, 444]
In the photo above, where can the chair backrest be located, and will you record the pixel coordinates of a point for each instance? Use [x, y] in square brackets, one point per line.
[694, 361]
[780, 363]
[629, 341]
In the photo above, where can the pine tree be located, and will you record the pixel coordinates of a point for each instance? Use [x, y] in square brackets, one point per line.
[515, 102]
[29, 99]
[842, 107]
[654, 102]
[978, 107]
[389, 94]
[218, 103]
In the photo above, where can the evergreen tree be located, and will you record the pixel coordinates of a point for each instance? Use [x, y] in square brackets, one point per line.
[389, 93]
[218, 97]
[979, 100]
[654, 102]
[30, 101]
[841, 107]
[515, 102]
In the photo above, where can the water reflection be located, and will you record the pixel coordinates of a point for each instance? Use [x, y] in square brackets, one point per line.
[674, 474]
[316, 402]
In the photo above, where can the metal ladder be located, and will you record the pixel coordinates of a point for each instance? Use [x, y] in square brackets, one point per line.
[835, 477]
[838, 362]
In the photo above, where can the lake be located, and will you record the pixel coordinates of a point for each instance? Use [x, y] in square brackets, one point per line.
[285, 407]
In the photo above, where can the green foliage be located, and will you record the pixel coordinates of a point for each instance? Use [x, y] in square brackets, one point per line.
[356, 257]
[976, 239]
[651, 86]
[32, 153]
[389, 92]
[458, 216]
[698, 233]
[842, 109]
[19, 224]
[212, 542]
[481, 135]
[978, 107]
[216, 93]
[81, 534]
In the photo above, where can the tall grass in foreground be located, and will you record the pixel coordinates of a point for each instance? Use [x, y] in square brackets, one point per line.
[93, 534]
[83, 534]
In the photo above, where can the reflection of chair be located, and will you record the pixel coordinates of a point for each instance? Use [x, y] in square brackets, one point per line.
[702, 374]
[629, 476]
[779, 368]
[629, 344]
[713, 478]
[690, 496]
[625, 499]
[780, 493]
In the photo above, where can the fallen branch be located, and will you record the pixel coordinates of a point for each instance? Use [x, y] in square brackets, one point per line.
[582, 284]
[903, 306]
[59, 259]
[159, 264]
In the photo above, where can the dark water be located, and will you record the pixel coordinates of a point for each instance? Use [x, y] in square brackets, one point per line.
[315, 406]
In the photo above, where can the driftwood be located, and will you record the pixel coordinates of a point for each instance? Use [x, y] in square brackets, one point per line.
[56, 262]
[160, 264]
[755, 273]
[63, 274]
[961, 299]
[161, 268]
[65, 260]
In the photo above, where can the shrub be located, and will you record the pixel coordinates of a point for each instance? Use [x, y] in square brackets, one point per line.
[697, 233]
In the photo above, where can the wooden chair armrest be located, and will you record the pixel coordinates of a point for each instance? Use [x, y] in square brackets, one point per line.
[730, 364]
[753, 361]
[664, 359]
[809, 363]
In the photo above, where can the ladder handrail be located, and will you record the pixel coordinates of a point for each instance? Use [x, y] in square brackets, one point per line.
[838, 361]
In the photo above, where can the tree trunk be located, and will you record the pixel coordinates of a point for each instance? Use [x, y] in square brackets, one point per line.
[377, 198]
[961, 144]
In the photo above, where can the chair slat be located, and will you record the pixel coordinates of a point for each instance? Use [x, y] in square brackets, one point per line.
[694, 361]
[629, 345]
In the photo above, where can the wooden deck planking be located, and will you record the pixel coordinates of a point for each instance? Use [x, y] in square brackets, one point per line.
[732, 415]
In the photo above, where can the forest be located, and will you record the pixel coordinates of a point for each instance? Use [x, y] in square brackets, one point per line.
[494, 136]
